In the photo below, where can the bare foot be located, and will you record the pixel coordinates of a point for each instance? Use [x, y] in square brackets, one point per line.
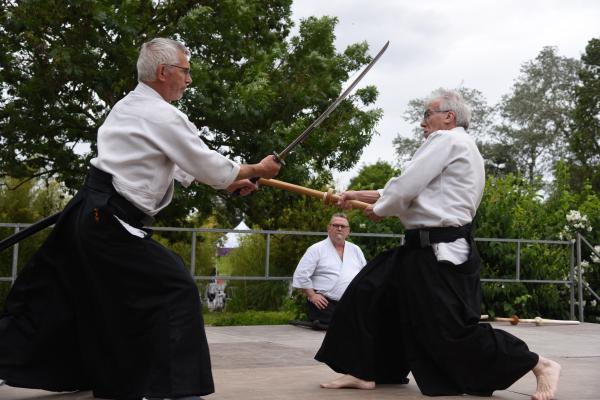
[546, 373]
[348, 381]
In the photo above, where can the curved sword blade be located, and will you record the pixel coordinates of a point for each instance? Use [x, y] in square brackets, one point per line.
[281, 156]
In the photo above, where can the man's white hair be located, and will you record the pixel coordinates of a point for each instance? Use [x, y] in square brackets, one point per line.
[155, 52]
[452, 100]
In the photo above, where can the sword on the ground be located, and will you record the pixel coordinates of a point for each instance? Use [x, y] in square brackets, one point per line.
[514, 320]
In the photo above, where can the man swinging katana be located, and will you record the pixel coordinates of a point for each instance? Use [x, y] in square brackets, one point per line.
[101, 306]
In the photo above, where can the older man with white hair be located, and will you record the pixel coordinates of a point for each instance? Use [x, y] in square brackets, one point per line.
[417, 308]
[101, 306]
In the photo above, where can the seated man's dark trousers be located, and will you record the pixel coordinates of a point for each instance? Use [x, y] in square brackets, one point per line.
[321, 318]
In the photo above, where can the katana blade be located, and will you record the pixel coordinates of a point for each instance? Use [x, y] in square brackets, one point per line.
[281, 156]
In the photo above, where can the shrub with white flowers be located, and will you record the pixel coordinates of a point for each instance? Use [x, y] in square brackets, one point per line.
[576, 222]
[595, 258]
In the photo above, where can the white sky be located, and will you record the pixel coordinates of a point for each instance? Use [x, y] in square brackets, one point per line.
[480, 44]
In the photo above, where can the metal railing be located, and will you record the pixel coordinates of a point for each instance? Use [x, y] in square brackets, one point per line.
[582, 284]
[574, 281]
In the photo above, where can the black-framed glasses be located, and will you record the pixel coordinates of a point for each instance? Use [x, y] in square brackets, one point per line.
[429, 113]
[185, 70]
[339, 226]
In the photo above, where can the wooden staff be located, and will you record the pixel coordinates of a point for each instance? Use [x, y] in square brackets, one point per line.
[328, 197]
[514, 320]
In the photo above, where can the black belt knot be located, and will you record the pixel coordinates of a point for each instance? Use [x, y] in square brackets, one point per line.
[425, 237]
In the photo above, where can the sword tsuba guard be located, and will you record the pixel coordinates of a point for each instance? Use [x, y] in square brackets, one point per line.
[278, 158]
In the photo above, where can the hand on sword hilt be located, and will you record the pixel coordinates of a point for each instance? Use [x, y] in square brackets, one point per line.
[270, 172]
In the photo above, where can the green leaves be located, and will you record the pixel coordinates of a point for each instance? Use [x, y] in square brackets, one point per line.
[255, 87]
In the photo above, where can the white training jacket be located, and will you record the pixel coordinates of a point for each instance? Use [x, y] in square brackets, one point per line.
[441, 186]
[321, 268]
[145, 143]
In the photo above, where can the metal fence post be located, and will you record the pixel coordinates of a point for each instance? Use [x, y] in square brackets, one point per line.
[572, 280]
[580, 277]
[518, 272]
[267, 255]
[193, 260]
[15, 258]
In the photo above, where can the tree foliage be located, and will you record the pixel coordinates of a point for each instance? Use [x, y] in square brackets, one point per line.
[255, 88]
[536, 115]
[584, 142]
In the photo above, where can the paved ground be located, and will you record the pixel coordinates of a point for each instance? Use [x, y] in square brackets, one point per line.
[276, 363]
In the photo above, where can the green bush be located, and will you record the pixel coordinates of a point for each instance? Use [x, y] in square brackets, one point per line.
[247, 318]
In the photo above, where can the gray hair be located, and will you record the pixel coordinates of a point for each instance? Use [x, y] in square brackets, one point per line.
[339, 215]
[155, 52]
[452, 100]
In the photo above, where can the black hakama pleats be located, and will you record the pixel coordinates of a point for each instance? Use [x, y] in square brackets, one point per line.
[407, 312]
[99, 309]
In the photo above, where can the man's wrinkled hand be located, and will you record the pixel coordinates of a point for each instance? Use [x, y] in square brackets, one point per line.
[371, 214]
[269, 167]
[319, 301]
[344, 199]
[244, 185]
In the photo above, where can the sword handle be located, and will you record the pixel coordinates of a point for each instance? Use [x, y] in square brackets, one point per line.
[278, 158]
[255, 179]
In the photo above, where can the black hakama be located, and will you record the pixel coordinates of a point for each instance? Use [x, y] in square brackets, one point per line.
[97, 308]
[407, 312]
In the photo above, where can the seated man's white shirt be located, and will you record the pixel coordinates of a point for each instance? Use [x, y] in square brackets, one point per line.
[145, 143]
[441, 186]
[322, 269]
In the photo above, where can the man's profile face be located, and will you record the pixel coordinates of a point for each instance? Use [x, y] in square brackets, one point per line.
[178, 78]
[435, 119]
[338, 229]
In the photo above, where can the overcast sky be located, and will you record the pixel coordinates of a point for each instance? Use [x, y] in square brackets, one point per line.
[478, 44]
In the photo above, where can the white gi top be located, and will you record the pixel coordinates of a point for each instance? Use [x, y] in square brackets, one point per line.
[441, 186]
[321, 268]
[145, 143]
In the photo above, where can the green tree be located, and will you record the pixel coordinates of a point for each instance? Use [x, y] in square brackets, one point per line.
[374, 176]
[584, 143]
[536, 116]
[65, 64]
[27, 203]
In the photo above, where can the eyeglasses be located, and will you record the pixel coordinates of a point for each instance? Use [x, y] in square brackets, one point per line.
[429, 113]
[338, 226]
[185, 70]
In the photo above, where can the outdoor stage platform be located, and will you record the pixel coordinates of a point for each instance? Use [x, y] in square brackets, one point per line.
[276, 363]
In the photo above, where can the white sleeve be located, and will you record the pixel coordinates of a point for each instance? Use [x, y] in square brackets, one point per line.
[306, 268]
[183, 177]
[428, 162]
[361, 257]
[181, 143]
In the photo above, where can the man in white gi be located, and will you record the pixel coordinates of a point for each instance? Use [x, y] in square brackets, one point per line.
[416, 308]
[326, 269]
[101, 306]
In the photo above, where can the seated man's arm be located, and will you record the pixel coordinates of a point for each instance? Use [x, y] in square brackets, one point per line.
[317, 299]
[303, 274]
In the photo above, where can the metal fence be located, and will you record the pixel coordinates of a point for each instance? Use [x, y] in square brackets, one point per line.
[574, 280]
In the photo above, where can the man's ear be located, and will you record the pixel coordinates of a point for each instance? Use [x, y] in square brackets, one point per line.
[161, 72]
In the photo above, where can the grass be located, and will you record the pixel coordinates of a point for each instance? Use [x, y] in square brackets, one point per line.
[247, 318]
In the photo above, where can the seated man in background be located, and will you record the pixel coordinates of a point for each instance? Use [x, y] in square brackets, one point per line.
[326, 269]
